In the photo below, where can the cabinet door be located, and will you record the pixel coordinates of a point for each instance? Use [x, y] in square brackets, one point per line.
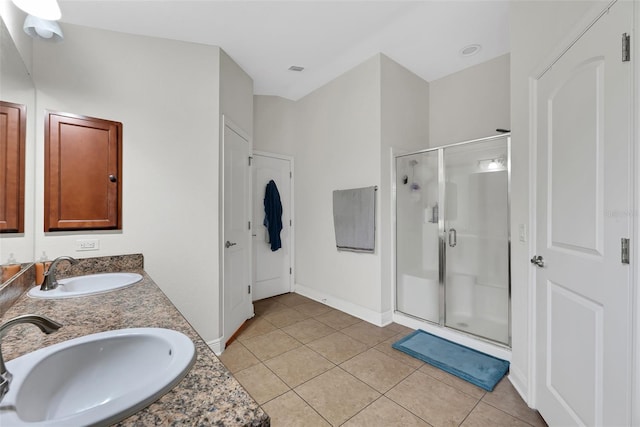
[83, 173]
[13, 125]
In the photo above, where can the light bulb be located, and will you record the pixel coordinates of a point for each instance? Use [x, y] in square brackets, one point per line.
[45, 34]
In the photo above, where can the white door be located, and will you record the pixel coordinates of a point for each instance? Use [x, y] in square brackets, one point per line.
[583, 209]
[236, 239]
[272, 274]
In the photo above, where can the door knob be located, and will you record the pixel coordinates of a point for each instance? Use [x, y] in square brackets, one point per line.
[112, 178]
[537, 260]
[229, 244]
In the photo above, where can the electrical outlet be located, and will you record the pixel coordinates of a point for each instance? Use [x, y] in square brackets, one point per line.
[87, 245]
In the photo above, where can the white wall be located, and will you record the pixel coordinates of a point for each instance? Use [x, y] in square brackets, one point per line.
[537, 27]
[166, 95]
[13, 19]
[470, 104]
[337, 147]
[273, 124]
[404, 127]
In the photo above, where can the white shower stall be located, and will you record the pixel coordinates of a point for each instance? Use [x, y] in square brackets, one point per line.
[452, 237]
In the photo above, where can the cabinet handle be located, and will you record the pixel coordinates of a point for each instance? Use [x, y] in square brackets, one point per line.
[113, 178]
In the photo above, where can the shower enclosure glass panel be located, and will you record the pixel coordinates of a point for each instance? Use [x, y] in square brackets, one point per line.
[417, 258]
[452, 237]
[476, 224]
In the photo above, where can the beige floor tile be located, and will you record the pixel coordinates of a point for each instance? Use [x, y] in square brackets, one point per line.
[337, 347]
[384, 412]
[385, 347]
[236, 357]
[285, 317]
[505, 397]
[400, 329]
[270, 345]
[367, 333]
[262, 384]
[298, 365]
[434, 401]
[292, 299]
[308, 330]
[264, 306]
[377, 369]
[485, 415]
[313, 308]
[453, 381]
[255, 327]
[337, 319]
[291, 411]
[336, 395]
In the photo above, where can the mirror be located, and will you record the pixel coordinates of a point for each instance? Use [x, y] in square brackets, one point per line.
[16, 86]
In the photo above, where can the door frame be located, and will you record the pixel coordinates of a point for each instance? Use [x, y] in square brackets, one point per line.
[292, 228]
[226, 122]
[573, 35]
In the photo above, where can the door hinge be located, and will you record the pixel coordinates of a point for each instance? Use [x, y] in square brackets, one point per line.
[290, 270]
[626, 47]
[250, 159]
[249, 225]
[249, 289]
[290, 223]
[290, 175]
[624, 251]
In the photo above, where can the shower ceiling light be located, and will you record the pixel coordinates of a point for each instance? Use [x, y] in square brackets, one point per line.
[43, 9]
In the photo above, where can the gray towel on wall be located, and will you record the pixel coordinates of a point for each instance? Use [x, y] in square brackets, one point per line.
[354, 219]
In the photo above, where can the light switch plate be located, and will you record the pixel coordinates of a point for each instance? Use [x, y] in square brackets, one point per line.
[87, 245]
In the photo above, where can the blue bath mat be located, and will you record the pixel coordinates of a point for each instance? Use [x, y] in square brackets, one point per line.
[471, 365]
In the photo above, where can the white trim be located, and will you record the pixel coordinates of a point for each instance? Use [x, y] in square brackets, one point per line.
[635, 272]
[452, 335]
[364, 313]
[292, 229]
[392, 265]
[518, 380]
[217, 346]
[226, 122]
[587, 21]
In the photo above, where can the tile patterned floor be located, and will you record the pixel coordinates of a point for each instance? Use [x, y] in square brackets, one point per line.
[310, 365]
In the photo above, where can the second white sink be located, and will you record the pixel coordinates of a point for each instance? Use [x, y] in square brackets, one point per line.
[87, 285]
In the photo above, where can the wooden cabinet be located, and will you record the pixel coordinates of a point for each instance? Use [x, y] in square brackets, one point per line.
[13, 127]
[83, 173]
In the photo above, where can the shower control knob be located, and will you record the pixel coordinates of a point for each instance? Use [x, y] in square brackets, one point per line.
[537, 260]
[229, 244]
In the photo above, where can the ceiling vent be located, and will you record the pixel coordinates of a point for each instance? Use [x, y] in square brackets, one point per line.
[296, 68]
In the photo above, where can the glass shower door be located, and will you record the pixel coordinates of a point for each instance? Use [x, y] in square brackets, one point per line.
[476, 226]
[417, 236]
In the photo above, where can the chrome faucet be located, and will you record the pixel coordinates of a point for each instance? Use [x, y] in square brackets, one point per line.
[50, 281]
[45, 324]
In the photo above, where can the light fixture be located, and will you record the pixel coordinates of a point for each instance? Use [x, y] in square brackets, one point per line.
[470, 50]
[42, 29]
[43, 9]
[492, 165]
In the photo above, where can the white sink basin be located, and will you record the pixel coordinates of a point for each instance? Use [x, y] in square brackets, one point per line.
[87, 285]
[97, 379]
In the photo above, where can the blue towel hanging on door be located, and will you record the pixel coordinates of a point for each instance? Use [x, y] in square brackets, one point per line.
[273, 215]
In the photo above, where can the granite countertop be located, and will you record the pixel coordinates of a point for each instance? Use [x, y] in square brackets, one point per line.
[208, 395]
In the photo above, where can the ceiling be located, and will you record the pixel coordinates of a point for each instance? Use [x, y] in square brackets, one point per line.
[327, 38]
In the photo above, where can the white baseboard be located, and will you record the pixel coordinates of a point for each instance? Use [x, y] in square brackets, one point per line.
[451, 335]
[366, 314]
[217, 346]
[519, 382]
